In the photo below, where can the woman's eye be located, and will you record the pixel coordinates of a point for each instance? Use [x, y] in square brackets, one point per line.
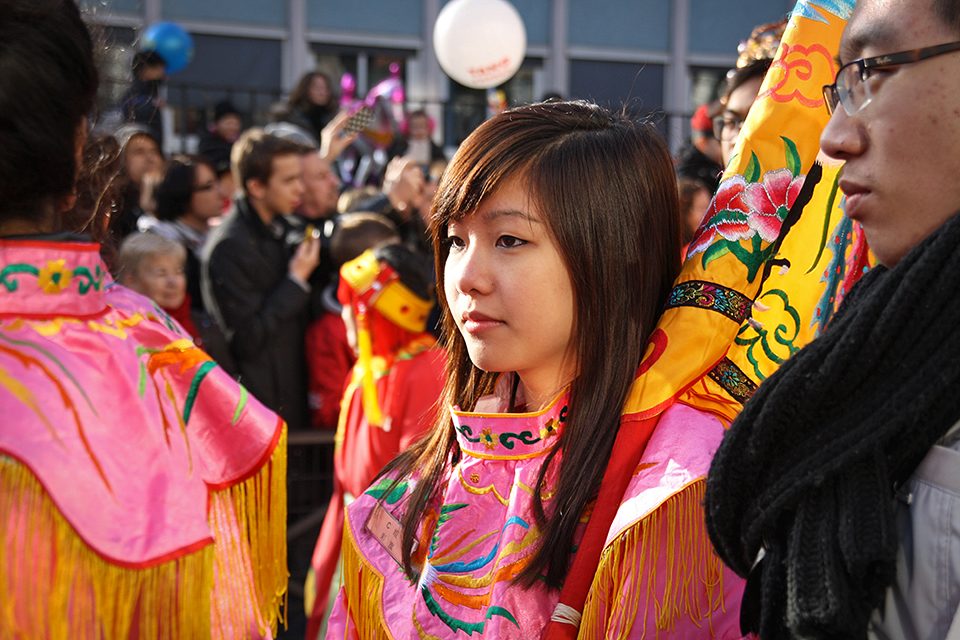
[454, 242]
[510, 242]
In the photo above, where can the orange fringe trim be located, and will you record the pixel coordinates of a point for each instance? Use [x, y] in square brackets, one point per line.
[53, 585]
[363, 588]
[249, 523]
[692, 584]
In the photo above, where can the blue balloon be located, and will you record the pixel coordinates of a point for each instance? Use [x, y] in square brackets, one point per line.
[171, 43]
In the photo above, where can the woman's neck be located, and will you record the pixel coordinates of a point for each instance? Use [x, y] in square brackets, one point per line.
[44, 220]
[195, 223]
[533, 398]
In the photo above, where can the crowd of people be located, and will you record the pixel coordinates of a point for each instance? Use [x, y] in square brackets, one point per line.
[472, 329]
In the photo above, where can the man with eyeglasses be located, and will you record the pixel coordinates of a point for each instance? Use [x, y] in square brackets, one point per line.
[856, 534]
[743, 86]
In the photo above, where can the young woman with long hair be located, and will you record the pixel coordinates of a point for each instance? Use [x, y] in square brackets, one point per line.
[313, 101]
[557, 236]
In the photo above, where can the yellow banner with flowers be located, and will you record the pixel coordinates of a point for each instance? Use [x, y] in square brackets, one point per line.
[761, 279]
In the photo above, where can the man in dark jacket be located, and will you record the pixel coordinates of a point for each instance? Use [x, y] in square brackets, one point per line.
[142, 102]
[254, 284]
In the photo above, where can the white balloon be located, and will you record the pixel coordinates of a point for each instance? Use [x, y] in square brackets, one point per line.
[480, 43]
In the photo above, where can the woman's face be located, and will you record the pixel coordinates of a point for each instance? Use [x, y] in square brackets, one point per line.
[207, 199]
[319, 91]
[162, 279]
[510, 293]
[141, 155]
[418, 127]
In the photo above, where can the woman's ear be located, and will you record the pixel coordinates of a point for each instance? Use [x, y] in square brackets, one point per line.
[128, 280]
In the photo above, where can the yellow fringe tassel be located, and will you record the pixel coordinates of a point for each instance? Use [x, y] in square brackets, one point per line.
[249, 521]
[363, 588]
[52, 585]
[691, 586]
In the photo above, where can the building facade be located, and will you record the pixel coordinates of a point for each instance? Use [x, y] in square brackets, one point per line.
[660, 57]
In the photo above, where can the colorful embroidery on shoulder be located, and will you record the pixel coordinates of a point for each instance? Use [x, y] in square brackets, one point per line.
[711, 296]
[449, 578]
[188, 356]
[53, 278]
[116, 328]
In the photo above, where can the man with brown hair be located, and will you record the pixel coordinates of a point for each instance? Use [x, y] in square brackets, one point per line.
[256, 286]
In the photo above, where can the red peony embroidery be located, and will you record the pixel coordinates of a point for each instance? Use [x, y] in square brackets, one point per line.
[769, 200]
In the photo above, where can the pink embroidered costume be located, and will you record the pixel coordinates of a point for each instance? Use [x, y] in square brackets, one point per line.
[657, 575]
[142, 491]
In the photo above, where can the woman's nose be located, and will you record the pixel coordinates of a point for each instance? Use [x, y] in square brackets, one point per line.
[471, 270]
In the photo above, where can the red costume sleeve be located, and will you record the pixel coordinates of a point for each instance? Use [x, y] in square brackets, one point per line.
[329, 360]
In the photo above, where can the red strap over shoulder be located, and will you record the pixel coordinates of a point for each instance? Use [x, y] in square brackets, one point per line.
[628, 448]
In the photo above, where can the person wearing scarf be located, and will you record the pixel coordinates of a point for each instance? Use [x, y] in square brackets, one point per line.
[390, 396]
[836, 489]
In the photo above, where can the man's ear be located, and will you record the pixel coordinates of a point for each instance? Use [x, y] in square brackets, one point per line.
[256, 188]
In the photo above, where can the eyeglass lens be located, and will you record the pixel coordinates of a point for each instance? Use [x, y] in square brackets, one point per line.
[726, 129]
[852, 89]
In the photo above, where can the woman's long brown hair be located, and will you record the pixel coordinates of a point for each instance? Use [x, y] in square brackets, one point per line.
[605, 187]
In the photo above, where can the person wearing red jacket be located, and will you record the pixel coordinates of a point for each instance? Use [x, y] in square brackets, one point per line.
[391, 396]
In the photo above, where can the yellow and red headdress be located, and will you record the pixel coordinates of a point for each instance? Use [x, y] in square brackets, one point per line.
[383, 306]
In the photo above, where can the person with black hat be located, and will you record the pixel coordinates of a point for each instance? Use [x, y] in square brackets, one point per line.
[700, 159]
[141, 103]
[217, 140]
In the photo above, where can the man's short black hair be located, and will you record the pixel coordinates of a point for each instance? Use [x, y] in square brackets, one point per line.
[740, 76]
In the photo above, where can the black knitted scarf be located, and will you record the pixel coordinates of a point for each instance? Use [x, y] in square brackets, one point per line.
[809, 469]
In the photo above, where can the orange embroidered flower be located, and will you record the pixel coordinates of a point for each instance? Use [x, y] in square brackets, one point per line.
[55, 277]
[488, 440]
[549, 429]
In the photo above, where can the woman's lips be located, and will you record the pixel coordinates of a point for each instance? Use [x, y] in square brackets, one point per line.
[475, 322]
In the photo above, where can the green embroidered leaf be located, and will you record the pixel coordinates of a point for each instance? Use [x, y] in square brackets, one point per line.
[793, 156]
[380, 490]
[454, 624]
[205, 368]
[714, 251]
[468, 433]
[11, 285]
[95, 282]
[240, 404]
[752, 260]
[526, 438]
[446, 511]
[752, 172]
[826, 222]
[503, 613]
